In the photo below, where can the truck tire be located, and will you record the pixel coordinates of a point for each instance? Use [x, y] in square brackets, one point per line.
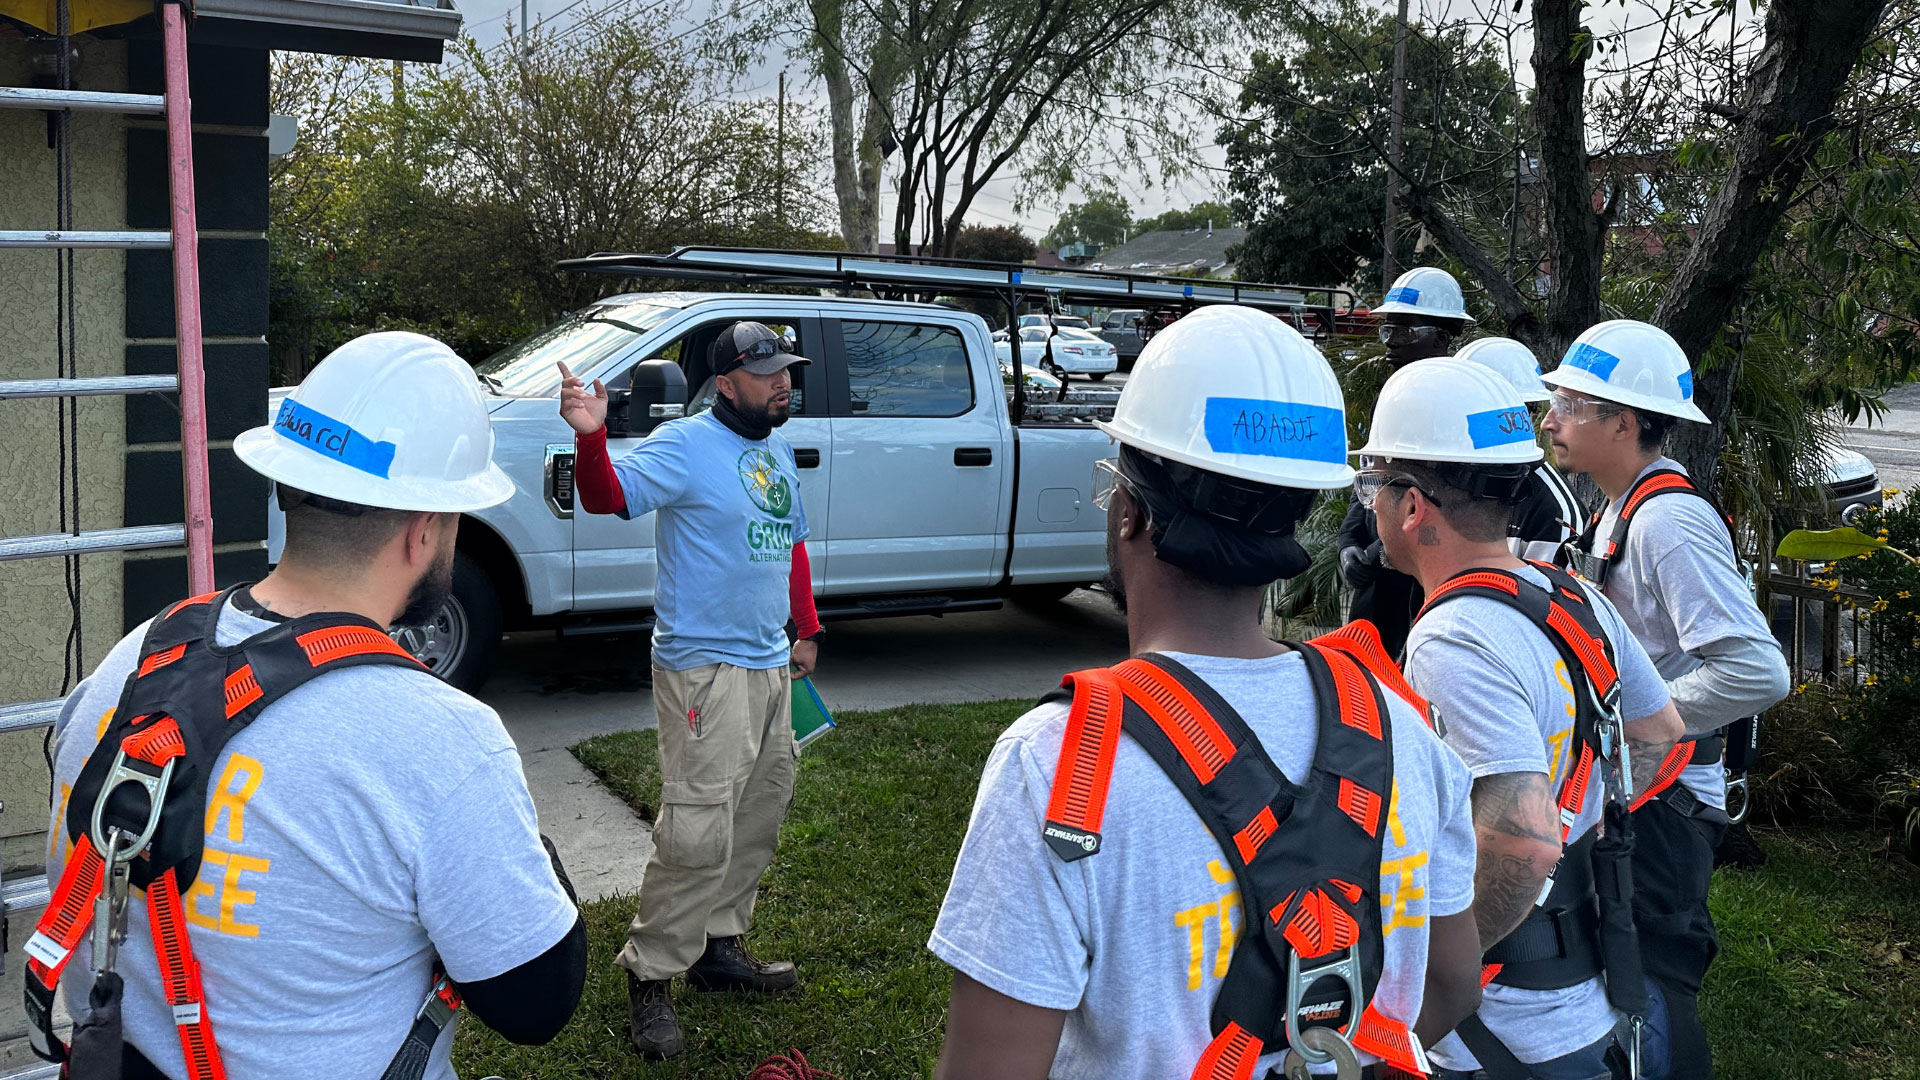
[460, 643]
[1040, 595]
[1099, 376]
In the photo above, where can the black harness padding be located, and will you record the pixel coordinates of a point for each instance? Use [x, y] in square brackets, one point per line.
[1560, 943]
[212, 692]
[1595, 567]
[1317, 852]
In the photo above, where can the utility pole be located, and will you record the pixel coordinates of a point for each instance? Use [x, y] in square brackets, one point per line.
[1395, 131]
[525, 49]
[779, 154]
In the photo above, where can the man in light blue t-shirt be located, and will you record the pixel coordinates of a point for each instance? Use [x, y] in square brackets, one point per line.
[733, 568]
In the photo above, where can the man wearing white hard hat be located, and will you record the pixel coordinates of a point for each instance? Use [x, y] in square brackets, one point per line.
[1549, 513]
[1670, 566]
[1422, 316]
[1133, 905]
[365, 825]
[1501, 650]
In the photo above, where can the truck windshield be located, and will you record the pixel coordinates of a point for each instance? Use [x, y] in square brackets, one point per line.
[580, 340]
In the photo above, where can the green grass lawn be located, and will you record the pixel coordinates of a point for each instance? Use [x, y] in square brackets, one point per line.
[1819, 973]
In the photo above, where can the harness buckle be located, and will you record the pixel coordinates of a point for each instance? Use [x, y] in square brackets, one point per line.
[1331, 1045]
[1311, 1045]
[156, 789]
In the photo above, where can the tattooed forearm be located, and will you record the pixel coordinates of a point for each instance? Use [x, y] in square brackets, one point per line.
[1517, 830]
[1645, 757]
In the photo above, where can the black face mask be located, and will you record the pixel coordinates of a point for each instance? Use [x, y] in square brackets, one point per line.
[756, 425]
[1211, 548]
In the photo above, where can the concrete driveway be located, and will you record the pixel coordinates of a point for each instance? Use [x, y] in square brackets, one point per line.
[554, 692]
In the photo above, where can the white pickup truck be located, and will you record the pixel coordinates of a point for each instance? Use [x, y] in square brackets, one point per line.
[936, 478]
[921, 493]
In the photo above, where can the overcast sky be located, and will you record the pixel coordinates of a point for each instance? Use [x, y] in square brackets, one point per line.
[487, 21]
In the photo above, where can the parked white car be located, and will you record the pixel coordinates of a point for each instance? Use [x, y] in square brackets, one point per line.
[1070, 352]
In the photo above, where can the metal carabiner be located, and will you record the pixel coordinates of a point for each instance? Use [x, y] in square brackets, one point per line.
[1347, 970]
[1737, 782]
[156, 789]
[110, 907]
[1633, 1047]
[1333, 1046]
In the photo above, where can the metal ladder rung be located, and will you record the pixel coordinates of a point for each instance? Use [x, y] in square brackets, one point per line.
[90, 543]
[25, 894]
[27, 715]
[27, 97]
[55, 238]
[110, 384]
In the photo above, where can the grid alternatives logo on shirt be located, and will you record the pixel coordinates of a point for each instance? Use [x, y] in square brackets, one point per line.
[769, 490]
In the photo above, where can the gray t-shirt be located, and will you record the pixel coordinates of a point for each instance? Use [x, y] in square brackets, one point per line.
[366, 822]
[1133, 942]
[1506, 703]
[1681, 592]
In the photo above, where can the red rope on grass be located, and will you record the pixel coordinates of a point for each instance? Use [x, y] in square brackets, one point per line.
[790, 1066]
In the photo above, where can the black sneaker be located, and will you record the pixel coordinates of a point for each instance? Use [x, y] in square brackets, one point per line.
[727, 965]
[651, 1024]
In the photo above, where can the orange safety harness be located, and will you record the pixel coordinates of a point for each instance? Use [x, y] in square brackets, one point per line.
[1306, 857]
[1581, 926]
[1578, 557]
[136, 818]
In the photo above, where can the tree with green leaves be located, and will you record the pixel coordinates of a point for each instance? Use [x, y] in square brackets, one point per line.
[994, 243]
[1303, 140]
[1198, 216]
[1103, 218]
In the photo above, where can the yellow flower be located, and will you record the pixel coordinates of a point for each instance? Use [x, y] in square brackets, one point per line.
[1849, 661]
[1873, 680]
[1904, 594]
[1879, 605]
[1889, 493]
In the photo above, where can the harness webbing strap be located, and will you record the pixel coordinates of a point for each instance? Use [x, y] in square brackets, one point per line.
[1230, 1056]
[1670, 769]
[68, 913]
[1593, 654]
[1202, 742]
[339, 642]
[1079, 799]
[191, 601]
[180, 978]
[1361, 641]
[1389, 1040]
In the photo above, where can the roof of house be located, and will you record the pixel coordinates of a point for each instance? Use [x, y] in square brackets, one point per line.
[1196, 251]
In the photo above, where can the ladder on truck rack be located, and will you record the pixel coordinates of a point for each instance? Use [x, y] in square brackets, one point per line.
[196, 533]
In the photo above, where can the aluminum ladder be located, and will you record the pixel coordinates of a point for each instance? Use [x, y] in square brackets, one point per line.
[196, 533]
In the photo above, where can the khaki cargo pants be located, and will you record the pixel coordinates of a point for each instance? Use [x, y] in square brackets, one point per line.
[726, 780]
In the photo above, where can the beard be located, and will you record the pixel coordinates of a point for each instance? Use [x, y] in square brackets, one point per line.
[429, 593]
[766, 413]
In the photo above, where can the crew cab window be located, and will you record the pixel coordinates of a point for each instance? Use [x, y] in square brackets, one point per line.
[906, 369]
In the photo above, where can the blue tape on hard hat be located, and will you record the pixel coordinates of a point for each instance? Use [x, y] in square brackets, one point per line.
[1686, 385]
[1587, 358]
[324, 435]
[1498, 427]
[1282, 429]
[1403, 295]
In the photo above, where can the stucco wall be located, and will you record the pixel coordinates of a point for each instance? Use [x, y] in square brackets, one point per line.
[35, 615]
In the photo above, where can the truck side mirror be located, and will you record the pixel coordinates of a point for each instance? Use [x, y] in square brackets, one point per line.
[659, 394]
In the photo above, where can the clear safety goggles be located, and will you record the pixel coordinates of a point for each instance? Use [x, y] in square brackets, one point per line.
[1570, 408]
[1107, 477]
[1369, 483]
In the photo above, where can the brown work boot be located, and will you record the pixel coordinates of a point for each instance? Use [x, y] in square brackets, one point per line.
[727, 965]
[651, 1024]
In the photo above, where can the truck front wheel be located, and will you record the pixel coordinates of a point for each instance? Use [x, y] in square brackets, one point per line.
[460, 643]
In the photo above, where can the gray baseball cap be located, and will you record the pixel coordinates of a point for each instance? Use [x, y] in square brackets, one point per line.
[752, 346]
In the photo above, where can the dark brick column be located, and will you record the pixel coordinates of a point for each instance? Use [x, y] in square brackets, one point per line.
[229, 89]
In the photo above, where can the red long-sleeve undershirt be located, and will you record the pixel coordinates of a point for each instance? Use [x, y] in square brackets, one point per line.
[598, 491]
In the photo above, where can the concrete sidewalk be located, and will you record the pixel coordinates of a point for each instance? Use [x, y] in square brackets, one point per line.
[554, 692]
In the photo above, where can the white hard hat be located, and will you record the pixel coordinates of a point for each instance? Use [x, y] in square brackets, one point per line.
[1425, 290]
[393, 420]
[1510, 360]
[1632, 363]
[1237, 392]
[1446, 409]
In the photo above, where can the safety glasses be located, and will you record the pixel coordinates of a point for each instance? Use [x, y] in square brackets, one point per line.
[1571, 408]
[1369, 483]
[764, 349]
[1106, 477]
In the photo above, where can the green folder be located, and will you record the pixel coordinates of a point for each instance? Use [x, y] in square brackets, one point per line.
[810, 717]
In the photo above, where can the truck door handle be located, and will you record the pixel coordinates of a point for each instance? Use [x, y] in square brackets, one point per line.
[806, 457]
[973, 456]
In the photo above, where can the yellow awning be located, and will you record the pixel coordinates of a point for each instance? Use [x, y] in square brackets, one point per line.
[83, 15]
